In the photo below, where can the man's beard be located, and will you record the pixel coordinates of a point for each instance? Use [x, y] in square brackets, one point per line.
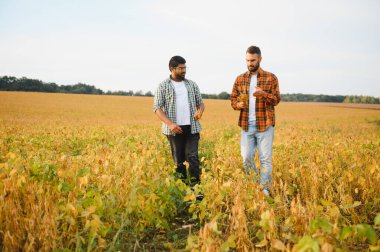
[254, 69]
[178, 77]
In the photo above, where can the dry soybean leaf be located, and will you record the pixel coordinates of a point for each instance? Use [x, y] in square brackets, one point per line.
[277, 244]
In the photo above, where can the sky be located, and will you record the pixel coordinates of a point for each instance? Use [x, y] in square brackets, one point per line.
[313, 47]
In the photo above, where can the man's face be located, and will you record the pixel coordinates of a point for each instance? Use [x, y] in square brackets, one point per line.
[179, 71]
[253, 62]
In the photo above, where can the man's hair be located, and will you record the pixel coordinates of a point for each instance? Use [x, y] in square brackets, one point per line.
[175, 61]
[253, 50]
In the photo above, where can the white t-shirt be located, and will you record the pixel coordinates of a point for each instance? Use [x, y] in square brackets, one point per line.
[182, 103]
[252, 99]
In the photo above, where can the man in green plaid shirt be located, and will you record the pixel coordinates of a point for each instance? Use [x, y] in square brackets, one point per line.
[178, 104]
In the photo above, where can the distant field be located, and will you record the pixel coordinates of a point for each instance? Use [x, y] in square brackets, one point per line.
[349, 105]
[88, 172]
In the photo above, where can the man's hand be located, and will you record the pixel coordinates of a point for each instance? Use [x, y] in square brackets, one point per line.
[172, 126]
[241, 105]
[199, 112]
[175, 128]
[198, 115]
[258, 93]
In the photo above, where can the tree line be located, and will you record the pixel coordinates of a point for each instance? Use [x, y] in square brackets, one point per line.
[9, 83]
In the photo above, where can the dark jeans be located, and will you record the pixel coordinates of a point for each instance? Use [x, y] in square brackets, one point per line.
[184, 147]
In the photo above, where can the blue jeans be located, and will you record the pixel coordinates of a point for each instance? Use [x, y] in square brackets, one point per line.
[264, 143]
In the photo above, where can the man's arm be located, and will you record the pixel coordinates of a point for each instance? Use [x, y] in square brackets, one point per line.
[172, 126]
[272, 97]
[157, 108]
[199, 112]
[200, 105]
[233, 97]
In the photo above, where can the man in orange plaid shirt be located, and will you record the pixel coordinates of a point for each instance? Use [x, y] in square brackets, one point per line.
[255, 93]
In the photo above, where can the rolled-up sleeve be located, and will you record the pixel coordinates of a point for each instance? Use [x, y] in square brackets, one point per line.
[234, 95]
[198, 95]
[158, 99]
[273, 97]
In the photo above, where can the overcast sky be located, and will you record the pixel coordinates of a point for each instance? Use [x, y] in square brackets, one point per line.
[316, 47]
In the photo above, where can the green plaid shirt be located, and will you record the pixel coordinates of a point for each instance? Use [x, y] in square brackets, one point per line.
[165, 99]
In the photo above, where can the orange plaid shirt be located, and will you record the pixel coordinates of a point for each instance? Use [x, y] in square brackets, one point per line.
[265, 116]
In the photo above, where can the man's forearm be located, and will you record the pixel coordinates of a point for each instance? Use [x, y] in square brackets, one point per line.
[162, 116]
[233, 98]
[201, 107]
